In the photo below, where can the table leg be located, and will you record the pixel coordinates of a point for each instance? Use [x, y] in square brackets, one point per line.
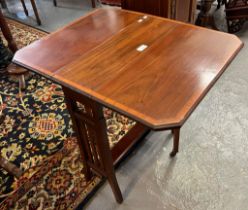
[10, 167]
[90, 127]
[106, 155]
[176, 136]
[2, 117]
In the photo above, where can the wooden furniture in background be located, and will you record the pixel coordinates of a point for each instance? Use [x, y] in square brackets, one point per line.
[12, 69]
[4, 5]
[236, 14]
[220, 2]
[129, 65]
[10, 167]
[93, 2]
[173, 9]
[205, 17]
[7, 33]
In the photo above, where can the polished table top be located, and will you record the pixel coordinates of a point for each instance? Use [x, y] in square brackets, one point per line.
[151, 69]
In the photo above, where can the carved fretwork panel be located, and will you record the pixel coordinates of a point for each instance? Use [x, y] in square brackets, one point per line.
[90, 127]
[236, 14]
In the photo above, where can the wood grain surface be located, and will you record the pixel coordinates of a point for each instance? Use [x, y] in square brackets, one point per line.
[160, 86]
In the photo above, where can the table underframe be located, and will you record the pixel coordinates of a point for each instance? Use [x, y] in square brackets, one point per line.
[90, 127]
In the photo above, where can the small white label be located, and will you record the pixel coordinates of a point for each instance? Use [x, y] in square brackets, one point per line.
[141, 47]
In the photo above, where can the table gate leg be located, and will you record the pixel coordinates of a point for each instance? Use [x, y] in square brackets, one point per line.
[106, 156]
[176, 136]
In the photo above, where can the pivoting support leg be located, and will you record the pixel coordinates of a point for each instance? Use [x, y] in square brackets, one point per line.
[105, 152]
[176, 136]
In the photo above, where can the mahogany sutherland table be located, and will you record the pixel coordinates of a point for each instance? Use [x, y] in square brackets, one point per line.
[151, 69]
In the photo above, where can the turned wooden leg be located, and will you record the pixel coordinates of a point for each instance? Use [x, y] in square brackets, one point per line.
[55, 3]
[19, 72]
[36, 12]
[10, 167]
[22, 82]
[24, 7]
[176, 135]
[93, 3]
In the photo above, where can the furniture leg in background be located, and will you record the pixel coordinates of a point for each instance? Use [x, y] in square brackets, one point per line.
[7, 33]
[221, 2]
[205, 18]
[93, 3]
[3, 4]
[24, 7]
[36, 12]
[10, 167]
[19, 72]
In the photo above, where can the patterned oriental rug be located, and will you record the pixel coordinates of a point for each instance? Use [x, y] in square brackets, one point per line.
[36, 135]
